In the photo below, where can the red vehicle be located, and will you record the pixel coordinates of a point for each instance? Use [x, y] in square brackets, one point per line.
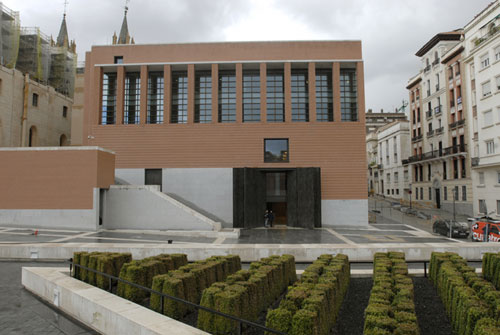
[486, 229]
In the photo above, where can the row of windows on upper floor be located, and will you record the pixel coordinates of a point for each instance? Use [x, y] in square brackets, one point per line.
[251, 96]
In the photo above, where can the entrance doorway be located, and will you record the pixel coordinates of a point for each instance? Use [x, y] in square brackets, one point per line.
[153, 177]
[276, 196]
[438, 198]
[293, 194]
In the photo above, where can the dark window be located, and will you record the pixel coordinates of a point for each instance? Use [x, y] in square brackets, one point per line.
[118, 59]
[108, 111]
[324, 95]
[445, 193]
[251, 96]
[348, 95]
[421, 193]
[227, 96]
[179, 97]
[416, 193]
[429, 172]
[421, 172]
[464, 171]
[65, 111]
[464, 193]
[430, 193]
[455, 169]
[275, 97]
[455, 193]
[155, 97]
[132, 98]
[203, 97]
[445, 175]
[34, 101]
[276, 150]
[300, 96]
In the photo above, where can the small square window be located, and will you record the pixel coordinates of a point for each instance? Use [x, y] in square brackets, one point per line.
[118, 59]
[65, 111]
[498, 177]
[276, 150]
[34, 100]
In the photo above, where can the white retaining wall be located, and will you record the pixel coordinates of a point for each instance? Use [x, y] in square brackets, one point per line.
[100, 310]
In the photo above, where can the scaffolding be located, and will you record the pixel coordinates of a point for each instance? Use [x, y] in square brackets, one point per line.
[62, 70]
[34, 54]
[9, 36]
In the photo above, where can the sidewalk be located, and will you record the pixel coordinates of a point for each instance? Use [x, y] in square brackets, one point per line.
[391, 214]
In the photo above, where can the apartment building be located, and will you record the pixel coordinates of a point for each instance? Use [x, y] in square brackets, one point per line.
[387, 148]
[482, 67]
[439, 143]
[236, 128]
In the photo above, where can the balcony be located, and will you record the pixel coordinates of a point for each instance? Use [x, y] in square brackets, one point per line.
[453, 125]
[475, 161]
[428, 114]
[380, 166]
[437, 110]
[435, 62]
[427, 68]
[430, 133]
[416, 138]
[457, 124]
[493, 31]
[456, 149]
[405, 161]
[437, 87]
[439, 130]
[428, 93]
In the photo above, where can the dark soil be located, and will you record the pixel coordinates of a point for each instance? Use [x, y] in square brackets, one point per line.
[430, 311]
[351, 317]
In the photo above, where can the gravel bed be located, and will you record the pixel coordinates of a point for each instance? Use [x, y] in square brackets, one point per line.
[351, 317]
[431, 315]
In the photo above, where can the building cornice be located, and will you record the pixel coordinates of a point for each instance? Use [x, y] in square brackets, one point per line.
[449, 36]
[453, 54]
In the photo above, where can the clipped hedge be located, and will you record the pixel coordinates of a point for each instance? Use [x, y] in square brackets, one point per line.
[246, 293]
[467, 297]
[141, 272]
[491, 268]
[312, 304]
[189, 282]
[106, 262]
[391, 309]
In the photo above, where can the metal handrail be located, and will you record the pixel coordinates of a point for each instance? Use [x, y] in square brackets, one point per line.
[163, 295]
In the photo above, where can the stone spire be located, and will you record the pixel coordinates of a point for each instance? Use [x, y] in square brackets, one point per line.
[124, 37]
[62, 38]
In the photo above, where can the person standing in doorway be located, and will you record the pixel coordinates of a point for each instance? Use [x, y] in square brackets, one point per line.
[271, 218]
[266, 219]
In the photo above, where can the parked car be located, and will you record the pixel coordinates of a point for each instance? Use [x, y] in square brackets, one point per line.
[486, 229]
[458, 229]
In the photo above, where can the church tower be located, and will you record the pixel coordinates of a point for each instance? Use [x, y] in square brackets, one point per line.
[124, 37]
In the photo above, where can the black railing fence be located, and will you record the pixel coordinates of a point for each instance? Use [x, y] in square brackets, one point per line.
[241, 322]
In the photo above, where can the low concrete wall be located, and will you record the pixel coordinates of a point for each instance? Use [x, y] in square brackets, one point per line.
[210, 189]
[71, 219]
[96, 308]
[130, 176]
[145, 207]
[249, 252]
[344, 213]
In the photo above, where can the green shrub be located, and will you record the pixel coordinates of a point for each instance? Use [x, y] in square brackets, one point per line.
[318, 294]
[246, 293]
[390, 308]
[141, 272]
[487, 326]
[279, 319]
[194, 279]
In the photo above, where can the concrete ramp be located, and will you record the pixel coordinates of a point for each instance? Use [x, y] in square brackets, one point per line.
[145, 207]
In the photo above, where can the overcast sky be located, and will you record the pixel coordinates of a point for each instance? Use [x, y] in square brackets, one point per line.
[391, 31]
